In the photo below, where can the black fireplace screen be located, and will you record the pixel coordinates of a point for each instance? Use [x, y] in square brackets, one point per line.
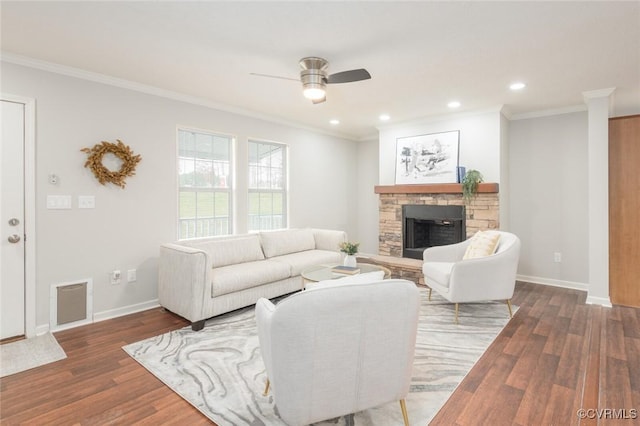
[426, 226]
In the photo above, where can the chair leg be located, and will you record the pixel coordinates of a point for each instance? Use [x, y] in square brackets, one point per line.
[405, 416]
[429, 294]
[509, 306]
[266, 388]
[457, 307]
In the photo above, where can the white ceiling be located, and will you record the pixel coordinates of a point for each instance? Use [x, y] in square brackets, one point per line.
[421, 55]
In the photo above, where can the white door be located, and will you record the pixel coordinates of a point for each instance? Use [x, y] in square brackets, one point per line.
[12, 246]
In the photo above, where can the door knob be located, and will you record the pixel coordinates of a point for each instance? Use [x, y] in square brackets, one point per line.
[14, 238]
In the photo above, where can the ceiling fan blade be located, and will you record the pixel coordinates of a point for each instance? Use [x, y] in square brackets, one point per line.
[319, 101]
[348, 76]
[274, 76]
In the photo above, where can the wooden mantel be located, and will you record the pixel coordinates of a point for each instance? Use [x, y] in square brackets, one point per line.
[433, 188]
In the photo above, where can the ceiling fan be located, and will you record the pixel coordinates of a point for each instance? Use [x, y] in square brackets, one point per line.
[314, 77]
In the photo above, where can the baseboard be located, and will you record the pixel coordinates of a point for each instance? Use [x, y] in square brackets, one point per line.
[42, 329]
[603, 301]
[125, 310]
[105, 315]
[554, 283]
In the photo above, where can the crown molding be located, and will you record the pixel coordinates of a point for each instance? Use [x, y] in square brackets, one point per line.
[157, 91]
[548, 112]
[600, 93]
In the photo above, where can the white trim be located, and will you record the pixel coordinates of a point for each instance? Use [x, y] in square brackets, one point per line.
[600, 93]
[548, 112]
[157, 91]
[554, 283]
[29, 209]
[53, 305]
[603, 301]
[126, 310]
[42, 329]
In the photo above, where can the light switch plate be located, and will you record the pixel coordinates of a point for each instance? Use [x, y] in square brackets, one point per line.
[58, 202]
[86, 202]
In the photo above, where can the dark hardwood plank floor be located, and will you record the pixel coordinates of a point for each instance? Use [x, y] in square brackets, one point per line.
[556, 356]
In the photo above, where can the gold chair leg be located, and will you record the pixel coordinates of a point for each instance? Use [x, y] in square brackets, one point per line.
[457, 307]
[405, 416]
[429, 294]
[509, 306]
[266, 388]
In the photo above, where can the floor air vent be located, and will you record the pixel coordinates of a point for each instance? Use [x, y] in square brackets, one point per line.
[71, 304]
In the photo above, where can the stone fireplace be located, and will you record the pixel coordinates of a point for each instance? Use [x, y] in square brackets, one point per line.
[482, 212]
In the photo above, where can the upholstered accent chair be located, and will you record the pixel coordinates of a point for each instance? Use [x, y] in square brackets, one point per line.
[339, 348]
[462, 274]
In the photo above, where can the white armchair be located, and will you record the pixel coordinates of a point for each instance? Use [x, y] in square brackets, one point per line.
[339, 349]
[490, 277]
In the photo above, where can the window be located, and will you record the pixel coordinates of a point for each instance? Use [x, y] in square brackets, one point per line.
[204, 184]
[267, 186]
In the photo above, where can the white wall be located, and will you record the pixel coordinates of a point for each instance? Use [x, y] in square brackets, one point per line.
[368, 209]
[549, 195]
[126, 227]
[479, 143]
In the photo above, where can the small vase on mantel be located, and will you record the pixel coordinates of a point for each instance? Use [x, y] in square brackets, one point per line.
[350, 260]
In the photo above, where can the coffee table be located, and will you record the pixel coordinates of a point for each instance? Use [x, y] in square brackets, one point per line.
[324, 272]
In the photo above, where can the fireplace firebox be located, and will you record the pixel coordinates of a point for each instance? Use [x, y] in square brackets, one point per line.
[426, 226]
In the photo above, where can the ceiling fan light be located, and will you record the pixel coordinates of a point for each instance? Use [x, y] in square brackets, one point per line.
[313, 93]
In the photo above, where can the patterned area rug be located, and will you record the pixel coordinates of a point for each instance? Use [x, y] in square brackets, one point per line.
[219, 370]
[30, 353]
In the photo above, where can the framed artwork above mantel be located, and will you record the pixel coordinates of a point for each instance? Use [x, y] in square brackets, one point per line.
[431, 158]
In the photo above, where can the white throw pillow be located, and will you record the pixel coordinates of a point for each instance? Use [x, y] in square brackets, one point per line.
[483, 243]
[367, 277]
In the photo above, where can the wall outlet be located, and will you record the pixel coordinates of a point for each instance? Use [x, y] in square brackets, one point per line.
[115, 277]
[557, 257]
[131, 275]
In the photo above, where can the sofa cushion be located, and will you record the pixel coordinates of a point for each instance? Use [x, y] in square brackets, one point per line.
[232, 278]
[438, 272]
[298, 262]
[229, 251]
[278, 243]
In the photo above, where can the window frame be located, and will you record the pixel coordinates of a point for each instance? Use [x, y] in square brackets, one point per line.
[284, 191]
[229, 189]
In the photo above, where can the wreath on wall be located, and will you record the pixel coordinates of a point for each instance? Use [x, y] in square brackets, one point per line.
[117, 177]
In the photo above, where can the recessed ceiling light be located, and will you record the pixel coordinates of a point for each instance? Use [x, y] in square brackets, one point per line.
[384, 117]
[334, 121]
[517, 86]
[453, 104]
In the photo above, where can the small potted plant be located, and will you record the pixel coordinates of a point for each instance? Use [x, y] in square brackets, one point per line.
[350, 250]
[470, 184]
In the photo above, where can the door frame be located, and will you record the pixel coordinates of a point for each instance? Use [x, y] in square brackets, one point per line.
[29, 209]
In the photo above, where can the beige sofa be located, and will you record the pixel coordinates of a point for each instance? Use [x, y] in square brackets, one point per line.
[199, 279]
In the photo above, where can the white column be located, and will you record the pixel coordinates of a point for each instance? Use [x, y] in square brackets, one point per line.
[598, 103]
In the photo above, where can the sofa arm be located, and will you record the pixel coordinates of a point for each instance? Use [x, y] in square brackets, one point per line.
[327, 239]
[184, 280]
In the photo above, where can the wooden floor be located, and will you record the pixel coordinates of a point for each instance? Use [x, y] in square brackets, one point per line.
[555, 356]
